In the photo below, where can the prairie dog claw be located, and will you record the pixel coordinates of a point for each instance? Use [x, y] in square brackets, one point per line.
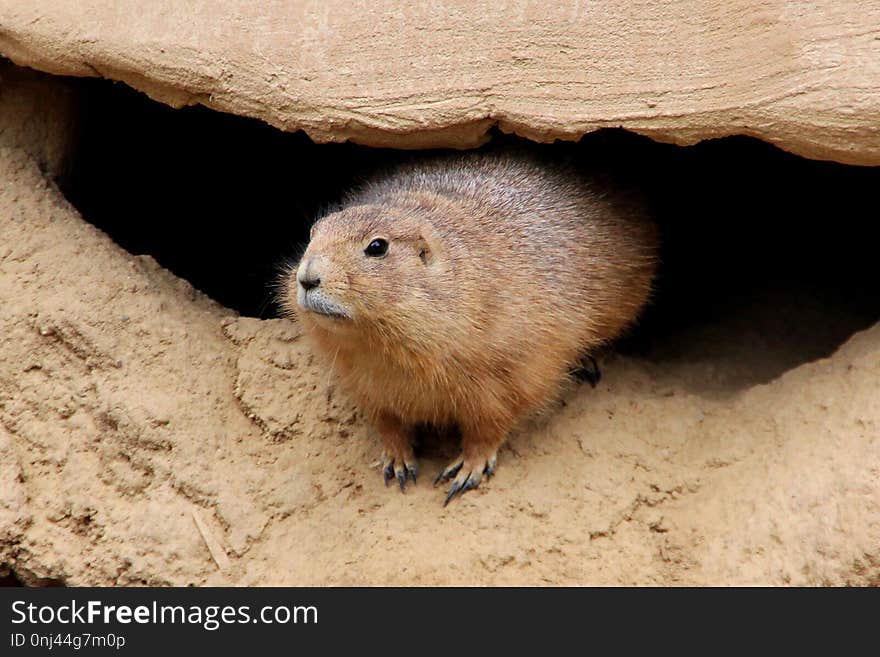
[466, 474]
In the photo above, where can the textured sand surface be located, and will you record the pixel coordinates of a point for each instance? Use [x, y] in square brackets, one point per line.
[802, 75]
[134, 410]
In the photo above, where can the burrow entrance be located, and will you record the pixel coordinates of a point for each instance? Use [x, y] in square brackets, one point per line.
[769, 259]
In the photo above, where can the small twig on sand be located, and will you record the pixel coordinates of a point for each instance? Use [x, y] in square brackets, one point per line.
[217, 552]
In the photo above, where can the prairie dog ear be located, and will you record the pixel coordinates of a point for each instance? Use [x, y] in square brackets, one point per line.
[424, 250]
[428, 245]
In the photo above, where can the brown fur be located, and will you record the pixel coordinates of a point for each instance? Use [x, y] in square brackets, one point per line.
[501, 272]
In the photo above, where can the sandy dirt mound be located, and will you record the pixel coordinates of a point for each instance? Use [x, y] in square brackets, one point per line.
[802, 75]
[130, 405]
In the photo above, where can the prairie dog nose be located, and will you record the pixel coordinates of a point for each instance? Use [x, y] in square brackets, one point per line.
[308, 282]
[307, 275]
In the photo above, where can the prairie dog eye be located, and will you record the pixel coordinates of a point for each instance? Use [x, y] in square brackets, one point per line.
[376, 248]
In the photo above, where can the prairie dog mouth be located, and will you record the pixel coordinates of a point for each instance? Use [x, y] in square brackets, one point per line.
[317, 302]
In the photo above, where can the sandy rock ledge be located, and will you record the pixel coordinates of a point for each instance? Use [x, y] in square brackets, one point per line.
[802, 75]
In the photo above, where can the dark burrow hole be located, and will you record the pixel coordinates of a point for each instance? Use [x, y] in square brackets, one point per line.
[769, 259]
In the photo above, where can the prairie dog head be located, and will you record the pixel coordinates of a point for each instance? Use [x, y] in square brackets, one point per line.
[365, 266]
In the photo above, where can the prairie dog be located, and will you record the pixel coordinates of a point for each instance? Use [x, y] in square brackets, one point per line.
[462, 290]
